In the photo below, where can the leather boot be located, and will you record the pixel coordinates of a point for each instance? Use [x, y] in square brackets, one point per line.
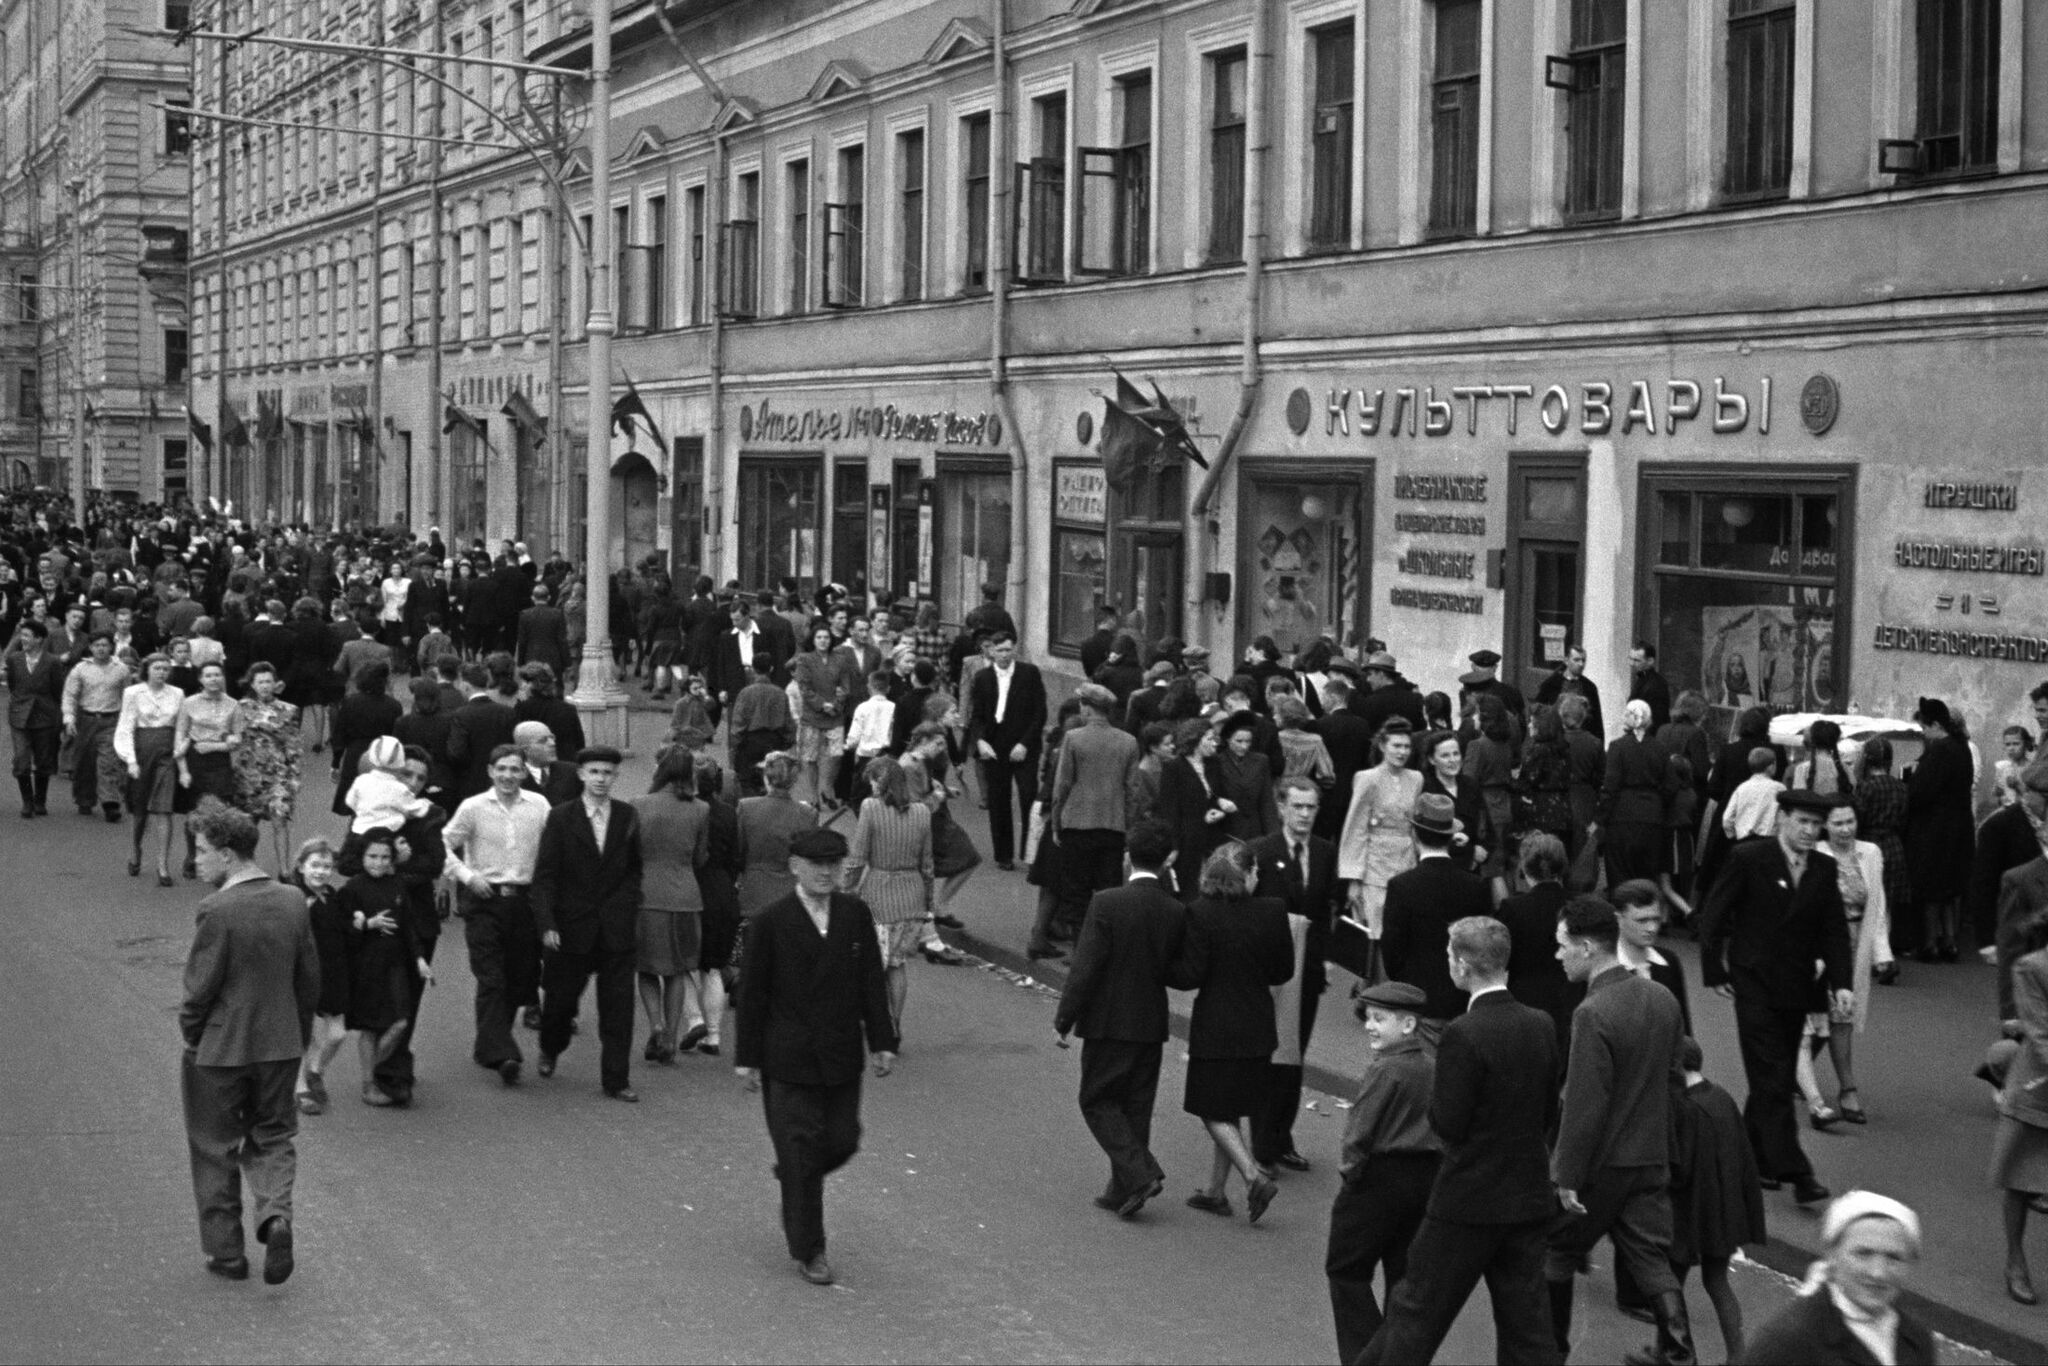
[1674, 1334]
[28, 795]
[1561, 1317]
[42, 794]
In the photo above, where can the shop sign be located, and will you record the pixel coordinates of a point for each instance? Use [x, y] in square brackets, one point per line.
[1441, 488]
[1971, 497]
[309, 400]
[1962, 558]
[1930, 640]
[1439, 524]
[765, 424]
[1439, 564]
[1080, 494]
[1424, 600]
[1589, 407]
[347, 397]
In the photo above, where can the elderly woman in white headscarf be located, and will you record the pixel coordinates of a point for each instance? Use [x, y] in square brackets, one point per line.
[1847, 1311]
[1632, 815]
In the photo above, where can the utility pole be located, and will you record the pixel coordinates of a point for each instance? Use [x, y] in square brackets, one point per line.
[75, 186]
[437, 466]
[597, 693]
[218, 456]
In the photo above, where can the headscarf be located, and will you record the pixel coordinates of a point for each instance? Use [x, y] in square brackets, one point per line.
[1846, 1211]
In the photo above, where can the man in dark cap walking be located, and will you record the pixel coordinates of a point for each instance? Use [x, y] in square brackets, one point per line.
[813, 989]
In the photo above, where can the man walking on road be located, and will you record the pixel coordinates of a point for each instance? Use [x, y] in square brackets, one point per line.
[35, 713]
[1006, 717]
[1612, 1164]
[92, 711]
[814, 988]
[586, 903]
[1115, 999]
[1775, 911]
[493, 843]
[1495, 1100]
[1300, 869]
[1094, 791]
[251, 983]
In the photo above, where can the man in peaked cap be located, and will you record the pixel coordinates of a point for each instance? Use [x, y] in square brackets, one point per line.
[1485, 677]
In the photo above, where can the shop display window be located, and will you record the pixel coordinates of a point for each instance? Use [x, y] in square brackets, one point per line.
[1301, 562]
[1080, 584]
[780, 522]
[973, 538]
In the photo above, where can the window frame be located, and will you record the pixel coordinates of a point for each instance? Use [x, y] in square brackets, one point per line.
[1453, 210]
[1978, 94]
[844, 258]
[1040, 242]
[1773, 22]
[976, 240]
[909, 227]
[798, 228]
[739, 284]
[1593, 78]
[1336, 119]
[1223, 188]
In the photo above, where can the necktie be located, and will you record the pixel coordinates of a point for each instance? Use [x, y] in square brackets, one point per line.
[1301, 863]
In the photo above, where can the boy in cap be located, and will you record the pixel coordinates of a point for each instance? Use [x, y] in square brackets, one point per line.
[1389, 1163]
[813, 989]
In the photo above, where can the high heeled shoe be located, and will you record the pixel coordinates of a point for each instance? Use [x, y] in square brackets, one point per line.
[1823, 1117]
[135, 867]
[2020, 1286]
[164, 880]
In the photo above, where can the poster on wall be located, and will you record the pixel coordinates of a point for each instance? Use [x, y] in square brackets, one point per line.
[1772, 656]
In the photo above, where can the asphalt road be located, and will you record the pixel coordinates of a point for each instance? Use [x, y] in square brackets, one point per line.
[547, 1223]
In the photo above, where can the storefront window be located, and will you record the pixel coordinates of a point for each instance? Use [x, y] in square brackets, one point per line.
[850, 526]
[973, 538]
[1750, 617]
[1301, 564]
[1080, 552]
[780, 522]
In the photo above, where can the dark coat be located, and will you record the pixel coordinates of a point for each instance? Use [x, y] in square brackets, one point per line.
[1651, 687]
[430, 733]
[1619, 1082]
[361, 718]
[1469, 805]
[728, 675]
[273, 643]
[561, 719]
[544, 638]
[1116, 988]
[1940, 824]
[1554, 687]
[1314, 893]
[1763, 935]
[1495, 1101]
[1810, 1332]
[1182, 803]
[35, 696]
[1234, 954]
[809, 1002]
[564, 783]
[590, 897]
[1023, 720]
[2005, 841]
[1637, 786]
[1348, 738]
[1421, 906]
[1248, 783]
[1535, 977]
[1376, 706]
[478, 726]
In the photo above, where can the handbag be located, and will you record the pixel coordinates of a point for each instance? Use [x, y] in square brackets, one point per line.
[1033, 829]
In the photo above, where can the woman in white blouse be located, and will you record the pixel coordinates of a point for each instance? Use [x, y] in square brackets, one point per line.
[145, 738]
[393, 592]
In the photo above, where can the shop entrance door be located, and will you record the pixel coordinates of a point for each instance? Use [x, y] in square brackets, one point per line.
[1546, 564]
[1155, 572]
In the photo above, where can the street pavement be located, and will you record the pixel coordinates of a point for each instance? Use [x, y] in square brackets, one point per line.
[546, 1223]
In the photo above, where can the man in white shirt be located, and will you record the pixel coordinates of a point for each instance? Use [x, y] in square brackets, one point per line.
[92, 709]
[493, 841]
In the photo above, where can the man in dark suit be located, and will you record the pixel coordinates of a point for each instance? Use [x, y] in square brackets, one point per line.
[1142, 708]
[544, 634]
[1569, 679]
[586, 902]
[1348, 737]
[512, 590]
[427, 597]
[1115, 999]
[1422, 904]
[35, 713]
[252, 980]
[553, 777]
[1492, 1204]
[814, 993]
[479, 726]
[1774, 911]
[1300, 869]
[1006, 718]
[1386, 694]
[1613, 1155]
[1095, 650]
[1647, 685]
[271, 638]
[734, 652]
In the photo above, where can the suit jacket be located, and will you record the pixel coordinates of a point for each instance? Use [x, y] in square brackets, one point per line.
[1762, 934]
[1023, 720]
[544, 637]
[272, 643]
[1637, 785]
[1348, 737]
[1094, 786]
[1619, 1080]
[1312, 892]
[1421, 906]
[422, 599]
[561, 718]
[590, 897]
[1141, 709]
[1535, 977]
[1182, 803]
[252, 978]
[1494, 1103]
[564, 783]
[1810, 1332]
[729, 675]
[479, 726]
[1116, 988]
[855, 663]
[1650, 686]
[811, 999]
[35, 696]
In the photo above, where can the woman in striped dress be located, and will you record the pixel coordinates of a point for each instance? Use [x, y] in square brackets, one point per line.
[890, 868]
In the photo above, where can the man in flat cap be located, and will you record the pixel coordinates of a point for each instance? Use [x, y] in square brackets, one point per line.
[1774, 911]
[1388, 1163]
[586, 903]
[813, 992]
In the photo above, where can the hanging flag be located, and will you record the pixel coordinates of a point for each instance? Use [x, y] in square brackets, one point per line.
[453, 417]
[629, 409]
[1125, 443]
[521, 410]
[201, 431]
[269, 419]
[1137, 430]
[232, 432]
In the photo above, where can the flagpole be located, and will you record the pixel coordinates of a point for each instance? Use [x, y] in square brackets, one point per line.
[597, 695]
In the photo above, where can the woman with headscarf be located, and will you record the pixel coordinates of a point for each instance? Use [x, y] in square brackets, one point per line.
[1242, 777]
[1940, 833]
[1847, 1311]
[1635, 801]
[1122, 672]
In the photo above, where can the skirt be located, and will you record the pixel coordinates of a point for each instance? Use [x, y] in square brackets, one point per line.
[213, 775]
[1225, 1090]
[2019, 1157]
[895, 895]
[953, 852]
[156, 791]
[669, 942]
[900, 942]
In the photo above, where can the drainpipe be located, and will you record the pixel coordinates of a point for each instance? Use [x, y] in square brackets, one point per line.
[1259, 61]
[1002, 177]
[714, 454]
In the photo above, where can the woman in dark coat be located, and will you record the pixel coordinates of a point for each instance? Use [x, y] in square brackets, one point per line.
[426, 726]
[314, 646]
[1443, 774]
[1881, 819]
[1872, 1244]
[1187, 802]
[364, 715]
[1237, 950]
[1122, 673]
[541, 700]
[1941, 833]
[718, 880]
[1243, 781]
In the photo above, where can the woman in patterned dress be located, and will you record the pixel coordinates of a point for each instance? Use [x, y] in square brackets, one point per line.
[267, 761]
[889, 866]
[1377, 842]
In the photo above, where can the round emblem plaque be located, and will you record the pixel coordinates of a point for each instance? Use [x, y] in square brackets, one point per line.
[1084, 428]
[1300, 409]
[1820, 403]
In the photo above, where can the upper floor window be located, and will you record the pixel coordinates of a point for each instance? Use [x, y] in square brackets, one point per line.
[742, 285]
[1957, 66]
[1330, 172]
[177, 355]
[1760, 51]
[1042, 196]
[1593, 76]
[797, 206]
[656, 270]
[910, 210]
[1115, 206]
[694, 208]
[974, 136]
[846, 232]
[177, 128]
[1454, 120]
[1227, 106]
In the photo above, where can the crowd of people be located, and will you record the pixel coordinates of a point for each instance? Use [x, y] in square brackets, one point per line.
[1224, 835]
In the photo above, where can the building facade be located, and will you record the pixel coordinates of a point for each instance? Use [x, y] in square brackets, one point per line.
[1710, 325]
[94, 179]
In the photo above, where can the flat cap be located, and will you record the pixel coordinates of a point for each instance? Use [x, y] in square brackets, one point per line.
[818, 846]
[599, 754]
[1394, 996]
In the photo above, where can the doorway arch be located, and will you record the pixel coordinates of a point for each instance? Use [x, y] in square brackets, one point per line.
[636, 502]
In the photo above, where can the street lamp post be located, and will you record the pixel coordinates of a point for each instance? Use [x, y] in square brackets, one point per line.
[597, 694]
[76, 187]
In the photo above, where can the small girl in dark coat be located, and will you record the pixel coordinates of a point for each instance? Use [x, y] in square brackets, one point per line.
[1717, 1202]
[387, 965]
[313, 874]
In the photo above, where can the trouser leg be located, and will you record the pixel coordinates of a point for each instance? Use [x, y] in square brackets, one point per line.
[615, 1018]
[1523, 1331]
[563, 977]
[1002, 817]
[484, 932]
[1115, 1076]
[815, 1130]
[1445, 1262]
[269, 1157]
[85, 766]
[213, 1099]
[1770, 1041]
[1273, 1121]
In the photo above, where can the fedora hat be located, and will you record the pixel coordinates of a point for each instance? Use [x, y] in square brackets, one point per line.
[1434, 815]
